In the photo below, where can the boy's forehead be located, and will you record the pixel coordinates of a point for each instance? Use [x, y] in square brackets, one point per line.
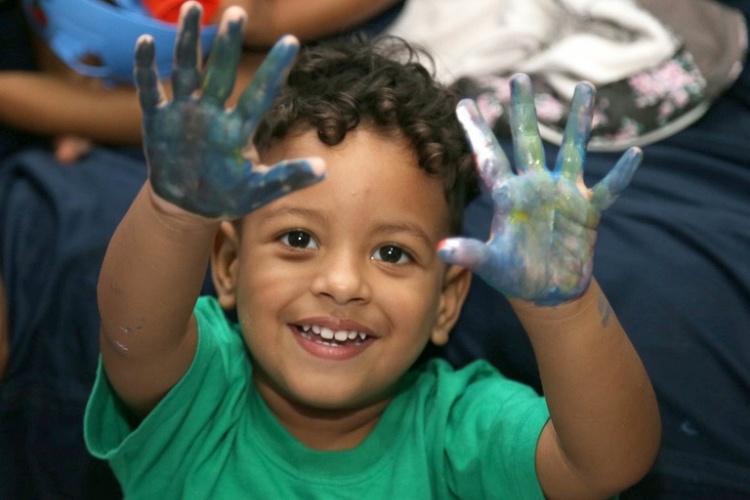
[367, 166]
[306, 135]
[305, 140]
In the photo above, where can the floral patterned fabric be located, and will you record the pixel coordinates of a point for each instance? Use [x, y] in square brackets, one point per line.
[641, 106]
[638, 110]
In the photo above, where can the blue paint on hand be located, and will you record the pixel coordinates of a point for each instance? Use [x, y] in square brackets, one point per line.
[197, 150]
[543, 232]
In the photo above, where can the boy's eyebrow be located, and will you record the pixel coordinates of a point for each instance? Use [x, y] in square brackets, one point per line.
[405, 227]
[308, 213]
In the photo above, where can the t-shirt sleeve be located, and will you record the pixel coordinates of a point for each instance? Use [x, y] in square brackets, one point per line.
[196, 412]
[493, 431]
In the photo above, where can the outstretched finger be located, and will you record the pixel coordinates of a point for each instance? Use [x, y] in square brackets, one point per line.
[489, 157]
[466, 252]
[225, 55]
[186, 76]
[283, 178]
[147, 81]
[606, 191]
[257, 98]
[572, 154]
[527, 143]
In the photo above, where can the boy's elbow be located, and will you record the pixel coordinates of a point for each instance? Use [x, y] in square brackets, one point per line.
[639, 448]
[633, 465]
[614, 467]
[640, 468]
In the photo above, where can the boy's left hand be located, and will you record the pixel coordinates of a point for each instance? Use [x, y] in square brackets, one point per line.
[544, 227]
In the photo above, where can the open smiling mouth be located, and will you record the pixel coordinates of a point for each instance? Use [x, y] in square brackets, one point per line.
[334, 338]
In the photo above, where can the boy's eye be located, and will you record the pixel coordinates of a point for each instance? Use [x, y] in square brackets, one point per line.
[299, 239]
[392, 255]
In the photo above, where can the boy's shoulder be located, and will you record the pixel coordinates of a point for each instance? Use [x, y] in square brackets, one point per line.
[211, 316]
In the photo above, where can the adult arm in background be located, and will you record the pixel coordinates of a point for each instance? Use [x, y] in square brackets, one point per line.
[79, 112]
[76, 111]
[604, 429]
[270, 19]
[47, 104]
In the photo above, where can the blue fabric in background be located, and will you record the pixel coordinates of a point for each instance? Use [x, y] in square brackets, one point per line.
[55, 223]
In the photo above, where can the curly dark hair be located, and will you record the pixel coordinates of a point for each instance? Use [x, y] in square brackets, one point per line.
[336, 85]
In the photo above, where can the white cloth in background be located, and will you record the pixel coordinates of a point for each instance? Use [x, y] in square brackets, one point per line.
[567, 41]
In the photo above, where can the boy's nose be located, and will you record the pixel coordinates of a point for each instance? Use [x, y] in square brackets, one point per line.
[341, 278]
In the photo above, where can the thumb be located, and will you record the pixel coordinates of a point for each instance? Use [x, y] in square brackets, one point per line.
[281, 179]
[466, 252]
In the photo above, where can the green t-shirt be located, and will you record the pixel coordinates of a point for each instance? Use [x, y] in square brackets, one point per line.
[468, 433]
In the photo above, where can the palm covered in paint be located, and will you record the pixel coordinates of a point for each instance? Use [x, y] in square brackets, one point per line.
[197, 151]
[543, 230]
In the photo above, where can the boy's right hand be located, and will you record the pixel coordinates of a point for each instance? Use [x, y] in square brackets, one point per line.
[198, 152]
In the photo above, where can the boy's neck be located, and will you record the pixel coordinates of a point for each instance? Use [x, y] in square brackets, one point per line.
[321, 429]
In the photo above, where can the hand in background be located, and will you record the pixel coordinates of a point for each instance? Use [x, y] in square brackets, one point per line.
[199, 153]
[543, 231]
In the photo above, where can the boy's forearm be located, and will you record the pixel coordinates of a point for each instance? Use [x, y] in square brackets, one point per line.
[601, 402]
[153, 270]
[45, 103]
[150, 279]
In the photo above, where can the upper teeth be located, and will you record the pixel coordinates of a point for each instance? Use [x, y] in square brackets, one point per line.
[328, 334]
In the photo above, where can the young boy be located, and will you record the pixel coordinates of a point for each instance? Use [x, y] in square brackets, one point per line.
[314, 391]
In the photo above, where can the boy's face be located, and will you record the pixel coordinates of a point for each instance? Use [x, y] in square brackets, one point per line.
[353, 258]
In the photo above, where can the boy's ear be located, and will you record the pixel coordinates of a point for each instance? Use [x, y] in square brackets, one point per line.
[455, 288]
[225, 264]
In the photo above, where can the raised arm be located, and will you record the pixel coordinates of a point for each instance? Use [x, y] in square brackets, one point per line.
[604, 430]
[199, 174]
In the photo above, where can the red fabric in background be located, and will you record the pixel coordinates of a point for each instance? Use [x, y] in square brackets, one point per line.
[169, 10]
